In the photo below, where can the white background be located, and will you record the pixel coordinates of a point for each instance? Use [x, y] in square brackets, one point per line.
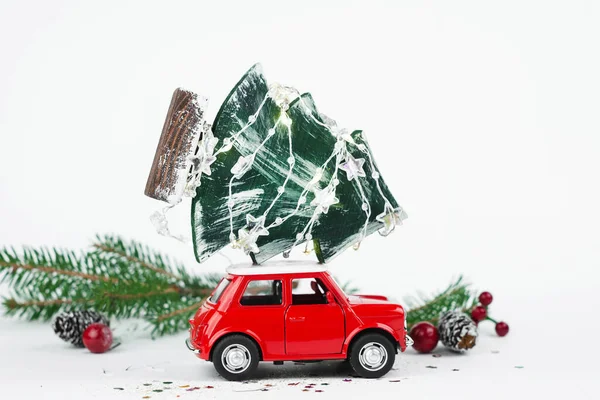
[483, 117]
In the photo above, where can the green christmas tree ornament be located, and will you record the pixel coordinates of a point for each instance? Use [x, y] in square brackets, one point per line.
[271, 173]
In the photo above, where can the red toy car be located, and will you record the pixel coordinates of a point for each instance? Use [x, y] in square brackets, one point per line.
[294, 312]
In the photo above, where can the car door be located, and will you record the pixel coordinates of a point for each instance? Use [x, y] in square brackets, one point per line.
[260, 310]
[313, 326]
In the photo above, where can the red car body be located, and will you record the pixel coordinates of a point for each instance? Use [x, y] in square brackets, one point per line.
[288, 331]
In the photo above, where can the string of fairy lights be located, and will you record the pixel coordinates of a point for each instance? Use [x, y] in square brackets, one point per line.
[205, 155]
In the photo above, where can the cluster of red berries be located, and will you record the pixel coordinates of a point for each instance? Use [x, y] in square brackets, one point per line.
[480, 313]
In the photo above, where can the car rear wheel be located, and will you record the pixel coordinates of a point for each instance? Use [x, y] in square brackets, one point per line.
[236, 357]
[372, 355]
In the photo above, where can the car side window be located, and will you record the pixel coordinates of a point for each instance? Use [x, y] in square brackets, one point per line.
[308, 291]
[262, 293]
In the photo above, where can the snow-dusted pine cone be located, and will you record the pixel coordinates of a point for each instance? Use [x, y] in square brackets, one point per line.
[69, 326]
[457, 331]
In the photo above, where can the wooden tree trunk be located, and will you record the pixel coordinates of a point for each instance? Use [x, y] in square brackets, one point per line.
[180, 134]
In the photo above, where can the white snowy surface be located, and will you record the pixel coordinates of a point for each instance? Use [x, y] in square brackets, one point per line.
[549, 353]
[482, 117]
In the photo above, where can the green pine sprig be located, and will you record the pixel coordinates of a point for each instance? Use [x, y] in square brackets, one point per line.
[457, 296]
[122, 279]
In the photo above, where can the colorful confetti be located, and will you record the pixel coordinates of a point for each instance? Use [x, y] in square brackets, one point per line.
[184, 386]
[347, 380]
[455, 369]
[192, 389]
[436, 355]
[167, 382]
[519, 366]
[431, 366]
[146, 397]
[118, 388]
[293, 383]
[395, 380]
[157, 390]
[319, 391]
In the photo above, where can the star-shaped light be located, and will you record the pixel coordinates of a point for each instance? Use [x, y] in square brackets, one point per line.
[323, 199]
[201, 162]
[342, 134]
[353, 167]
[248, 235]
[390, 217]
[247, 241]
[256, 225]
[205, 157]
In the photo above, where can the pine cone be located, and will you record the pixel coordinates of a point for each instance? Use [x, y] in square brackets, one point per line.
[69, 326]
[457, 331]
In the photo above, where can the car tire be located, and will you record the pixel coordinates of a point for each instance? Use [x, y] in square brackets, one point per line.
[236, 357]
[372, 355]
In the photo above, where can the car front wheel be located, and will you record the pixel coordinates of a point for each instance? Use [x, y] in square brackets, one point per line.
[236, 357]
[372, 355]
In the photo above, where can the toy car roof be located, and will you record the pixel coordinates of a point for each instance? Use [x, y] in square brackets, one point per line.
[276, 267]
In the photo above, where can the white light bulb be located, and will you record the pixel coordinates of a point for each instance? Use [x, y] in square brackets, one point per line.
[302, 199]
[252, 119]
[291, 160]
[285, 119]
[280, 189]
[271, 132]
[278, 220]
[299, 236]
[375, 175]
[365, 206]
[230, 203]
[308, 236]
[226, 144]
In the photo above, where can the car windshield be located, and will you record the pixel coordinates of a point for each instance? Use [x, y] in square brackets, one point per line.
[219, 290]
[341, 287]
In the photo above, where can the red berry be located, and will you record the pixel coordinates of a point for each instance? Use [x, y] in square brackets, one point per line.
[501, 328]
[97, 338]
[478, 313]
[426, 337]
[486, 298]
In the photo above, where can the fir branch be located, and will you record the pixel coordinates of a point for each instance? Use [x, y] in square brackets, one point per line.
[118, 278]
[175, 320]
[141, 295]
[180, 311]
[457, 296]
[52, 270]
[12, 304]
[135, 252]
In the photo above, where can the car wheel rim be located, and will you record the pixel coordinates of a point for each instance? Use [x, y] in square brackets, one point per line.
[373, 356]
[236, 358]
